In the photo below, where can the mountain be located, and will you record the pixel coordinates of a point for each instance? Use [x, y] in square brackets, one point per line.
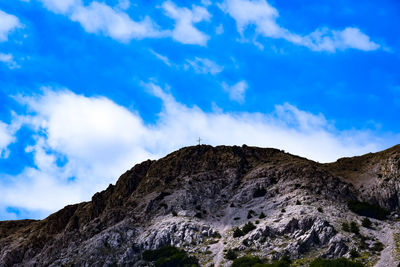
[210, 201]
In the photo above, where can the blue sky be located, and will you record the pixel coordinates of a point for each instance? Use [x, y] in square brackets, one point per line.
[90, 88]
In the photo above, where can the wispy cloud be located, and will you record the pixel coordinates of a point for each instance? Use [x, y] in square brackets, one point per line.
[8, 23]
[6, 138]
[87, 133]
[8, 59]
[62, 6]
[184, 31]
[237, 91]
[263, 16]
[204, 66]
[98, 17]
[101, 18]
[164, 59]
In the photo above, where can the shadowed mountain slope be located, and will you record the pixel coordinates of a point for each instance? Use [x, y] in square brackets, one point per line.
[195, 197]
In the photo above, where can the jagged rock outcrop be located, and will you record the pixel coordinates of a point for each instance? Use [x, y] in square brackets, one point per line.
[195, 197]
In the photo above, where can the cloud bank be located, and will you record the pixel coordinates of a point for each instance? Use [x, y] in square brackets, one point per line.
[84, 143]
[263, 16]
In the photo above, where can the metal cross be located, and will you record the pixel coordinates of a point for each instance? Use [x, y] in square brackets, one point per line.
[199, 140]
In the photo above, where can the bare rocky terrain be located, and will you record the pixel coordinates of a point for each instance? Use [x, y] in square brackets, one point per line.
[197, 197]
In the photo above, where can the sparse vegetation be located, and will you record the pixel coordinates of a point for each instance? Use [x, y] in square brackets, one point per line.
[174, 213]
[298, 202]
[231, 255]
[237, 232]
[354, 253]
[246, 261]
[366, 223]
[250, 261]
[262, 215]
[367, 210]
[248, 227]
[346, 227]
[341, 262]
[378, 246]
[354, 228]
[320, 209]
[283, 210]
[250, 214]
[169, 256]
[259, 192]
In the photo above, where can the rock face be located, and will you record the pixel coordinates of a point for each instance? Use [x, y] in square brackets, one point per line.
[195, 197]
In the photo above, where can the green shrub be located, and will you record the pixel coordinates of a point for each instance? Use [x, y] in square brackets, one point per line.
[249, 261]
[367, 210]
[354, 253]
[283, 210]
[174, 213]
[198, 215]
[366, 223]
[345, 227]
[246, 261]
[341, 262]
[260, 192]
[248, 227]
[257, 222]
[237, 232]
[217, 235]
[320, 209]
[378, 246]
[169, 256]
[262, 215]
[283, 262]
[231, 255]
[298, 202]
[250, 214]
[354, 228]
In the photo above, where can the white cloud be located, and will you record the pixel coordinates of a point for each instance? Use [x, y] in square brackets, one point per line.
[6, 138]
[184, 31]
[8, 23]
[237, 91]
[99, 140]
[61, 6]
[124, 4]
[204, 66]
[161, 57]
[206, 2]
[8, 59]
[264, 17]
[101, 18]
[98, 17]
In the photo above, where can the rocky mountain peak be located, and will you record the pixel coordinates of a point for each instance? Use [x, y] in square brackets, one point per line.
[208, 200]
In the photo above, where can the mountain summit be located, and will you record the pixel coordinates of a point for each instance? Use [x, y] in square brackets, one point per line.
[220, 203]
